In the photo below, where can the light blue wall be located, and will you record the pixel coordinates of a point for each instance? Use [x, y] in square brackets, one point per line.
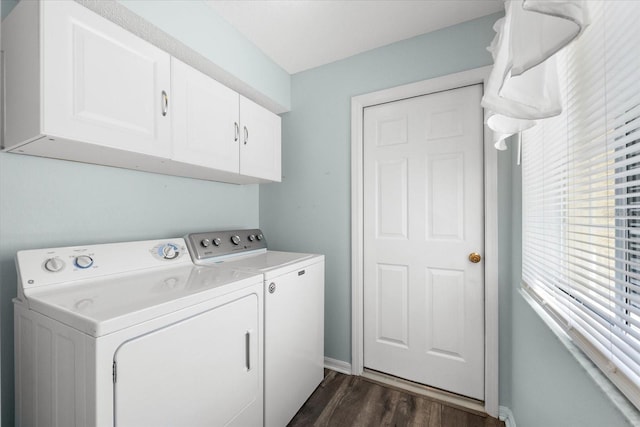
[198, 26]
[6, 6]
[313, 200]
[505, 170]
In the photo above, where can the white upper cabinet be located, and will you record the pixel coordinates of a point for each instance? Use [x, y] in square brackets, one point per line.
[206, 120]
[98, 83]
[79, 87]
[215, 127]
[260, 155]
[102, 84]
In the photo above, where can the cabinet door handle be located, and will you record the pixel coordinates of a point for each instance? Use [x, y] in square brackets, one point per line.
[165, 103]
[247, 353]
[237, 129]
[246, 135]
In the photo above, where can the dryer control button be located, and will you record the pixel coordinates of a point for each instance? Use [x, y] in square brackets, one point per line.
[83, 261]
[170, 251]
[252, 237]
[54, 265]
[217, 241]
[205, 243]
[235, 240]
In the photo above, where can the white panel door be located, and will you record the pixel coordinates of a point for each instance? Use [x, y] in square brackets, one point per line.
[423, 204]
[203, 371]
[102, 84]
[206, 120]
[260, 137]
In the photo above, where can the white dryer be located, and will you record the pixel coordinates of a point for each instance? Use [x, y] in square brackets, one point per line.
[293, 313]
[133, 334]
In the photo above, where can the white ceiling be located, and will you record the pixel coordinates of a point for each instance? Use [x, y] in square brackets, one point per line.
[303, 34]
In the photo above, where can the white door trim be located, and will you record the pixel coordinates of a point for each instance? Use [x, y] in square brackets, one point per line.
[358, 103]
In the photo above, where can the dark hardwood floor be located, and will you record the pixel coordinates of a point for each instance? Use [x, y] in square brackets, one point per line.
[344, 400]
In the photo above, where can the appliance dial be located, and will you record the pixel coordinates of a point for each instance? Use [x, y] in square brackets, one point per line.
[252, 237]
[217, 241]
[205, 243]
[260, 237]
[235, 240]
[54, 265]
[170, 251]
[83, 261]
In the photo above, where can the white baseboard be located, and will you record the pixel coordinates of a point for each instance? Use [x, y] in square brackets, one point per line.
[507, 416]
[337, 365]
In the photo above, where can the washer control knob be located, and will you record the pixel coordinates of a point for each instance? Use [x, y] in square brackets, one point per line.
[235, 240]
[252, 237]
[170, 251]
[205, 243]
[83, 261]
[217, 241]
[54, 265]
[260, 237]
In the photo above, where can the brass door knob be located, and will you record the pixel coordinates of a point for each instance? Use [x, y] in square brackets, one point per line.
[474, 257]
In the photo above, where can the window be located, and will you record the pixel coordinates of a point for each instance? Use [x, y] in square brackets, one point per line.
[581, 196]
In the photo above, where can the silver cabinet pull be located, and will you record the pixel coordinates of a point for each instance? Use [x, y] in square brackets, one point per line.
[237, 129]
[165, 103]
[247, 346]
[246, 135]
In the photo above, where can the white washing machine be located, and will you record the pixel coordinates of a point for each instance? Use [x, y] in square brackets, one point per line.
[133, 334]
[293, 313]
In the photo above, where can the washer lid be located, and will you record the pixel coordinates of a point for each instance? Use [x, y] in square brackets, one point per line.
[102, 306]
[272, 263]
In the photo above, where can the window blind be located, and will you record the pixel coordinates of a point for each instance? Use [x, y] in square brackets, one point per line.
[581, 196]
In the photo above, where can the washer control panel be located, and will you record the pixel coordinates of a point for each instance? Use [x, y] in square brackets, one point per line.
[41, 267]
[213, 244]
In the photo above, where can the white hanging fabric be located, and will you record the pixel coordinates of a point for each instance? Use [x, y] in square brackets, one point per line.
[523, 84]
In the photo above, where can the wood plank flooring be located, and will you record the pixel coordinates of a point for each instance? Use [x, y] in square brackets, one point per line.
[351, 401]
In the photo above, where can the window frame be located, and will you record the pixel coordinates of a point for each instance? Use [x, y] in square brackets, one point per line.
[589, 299]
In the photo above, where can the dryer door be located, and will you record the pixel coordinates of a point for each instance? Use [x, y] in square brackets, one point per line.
[203, 371]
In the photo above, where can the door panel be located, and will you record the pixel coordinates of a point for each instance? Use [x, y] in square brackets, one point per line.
[423, 204]
[391, 203]
[445, 315]
[445, 197]
[393, 307]
[203, 371]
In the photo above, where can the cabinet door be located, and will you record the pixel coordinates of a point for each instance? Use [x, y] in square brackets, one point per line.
[102, 84]
[203, 371]
[260, 142]
[205, 120]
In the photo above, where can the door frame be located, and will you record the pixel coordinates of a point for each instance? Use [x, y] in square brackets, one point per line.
[358, 104]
